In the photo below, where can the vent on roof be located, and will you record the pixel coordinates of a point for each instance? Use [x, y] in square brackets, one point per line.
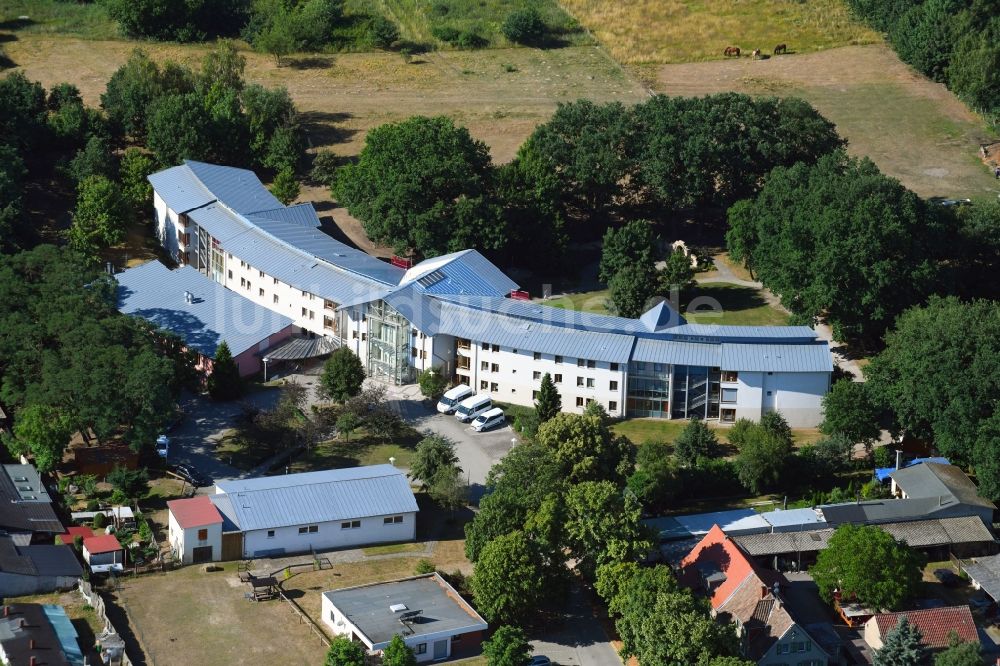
[814, 536]
[397, 608]
[20, 478]
[430, 279]
[188, 297]
[24, 488]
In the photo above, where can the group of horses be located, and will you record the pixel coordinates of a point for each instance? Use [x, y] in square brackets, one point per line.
[734, 51]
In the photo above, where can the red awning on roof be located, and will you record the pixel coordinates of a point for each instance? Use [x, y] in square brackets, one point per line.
[194, 512]
[105, 543]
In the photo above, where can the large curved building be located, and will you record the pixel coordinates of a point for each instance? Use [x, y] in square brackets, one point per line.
[455, 312]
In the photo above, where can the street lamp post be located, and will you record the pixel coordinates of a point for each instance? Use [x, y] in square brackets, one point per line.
[265, 360]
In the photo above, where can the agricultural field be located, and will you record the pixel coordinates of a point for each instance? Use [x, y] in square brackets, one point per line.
[674, 31]
[425, 21]
[914, 129]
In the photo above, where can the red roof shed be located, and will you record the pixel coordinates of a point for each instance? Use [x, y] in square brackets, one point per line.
[105, 543]
[194, 512]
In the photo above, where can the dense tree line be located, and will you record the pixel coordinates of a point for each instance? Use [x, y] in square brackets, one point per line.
[69, 362]
[956, 42]
[840, 241]
[426, 186]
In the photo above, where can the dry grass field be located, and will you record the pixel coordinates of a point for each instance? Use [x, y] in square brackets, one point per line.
[671, 31]
[912, 128]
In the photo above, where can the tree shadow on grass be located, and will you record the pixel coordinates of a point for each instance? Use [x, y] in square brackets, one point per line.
[16, 23]
[310, 62]
[729, 298]
[322, 127]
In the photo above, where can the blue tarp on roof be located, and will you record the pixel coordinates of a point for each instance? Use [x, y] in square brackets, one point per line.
[882, 473]
[157, 294]
[65, 632]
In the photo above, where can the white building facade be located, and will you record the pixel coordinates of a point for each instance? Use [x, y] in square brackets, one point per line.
[455, 312]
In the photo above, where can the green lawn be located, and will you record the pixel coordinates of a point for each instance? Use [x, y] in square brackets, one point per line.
[362, 449]
[588, 301]
[640, 431]
[723, 303]
[393, 549]
[88, 20]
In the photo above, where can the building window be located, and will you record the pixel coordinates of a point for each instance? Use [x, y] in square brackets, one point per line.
[261, 273]
[612, 406]
[536, 375]
[413, 350]
[329, 305]
[579, 381]
[230, 275]
[354, 335]
[730, 376]
[260, 292]
[614, 367]
[275, 280]
[591, 364]
[486, 346]
[537, 356]
[728, 395]
[364, 336]
[494, 367]
[304, 311]
[313, 529]
[203, 535]
[513, 351]
[769, 374]
[534, 395]
[270, 534]
[249, 285]
[484, 366]
[727, 415]
[783, 648]
[581, 362]
[557, 379]
[328, 323]
[770, 393]
[484, 385]
[590, 382]
[392, 520]
[494, 387]
[312, 315]
[274, 298]
[421, 648]
[579, 402]
[559, 359]
[613, 386]
[496, 348]
[243, 282]
[350, 525]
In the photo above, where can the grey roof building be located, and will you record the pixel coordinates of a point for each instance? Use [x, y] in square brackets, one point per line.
[425, 611]
[36, 569]
[25, 506]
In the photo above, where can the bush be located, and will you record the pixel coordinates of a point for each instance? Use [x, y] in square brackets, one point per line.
[382, 32]
[324, 168]
[93, 505]
[524, 26]
[100, 521]
[424, 566]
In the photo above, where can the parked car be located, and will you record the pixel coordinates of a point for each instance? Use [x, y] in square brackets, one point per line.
[539, 660]
[489, 419]
[192, 476]
[948, 577]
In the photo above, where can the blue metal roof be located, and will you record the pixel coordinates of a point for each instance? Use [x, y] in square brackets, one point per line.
[461, 273]
[661, 317]
[65, 632]
[219, 221]
[549, 315]
[180, 189]
[677, 353]
[777, 358]
[302, 214]
[791, 517]
[319, 497]
[719, 333]
[239, 189]
[156, 293]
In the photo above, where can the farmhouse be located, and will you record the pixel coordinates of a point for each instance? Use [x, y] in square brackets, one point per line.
[38, 634]
[202, 313]
[460, 313]
[429, 615]
[294, 513]
[740, 591]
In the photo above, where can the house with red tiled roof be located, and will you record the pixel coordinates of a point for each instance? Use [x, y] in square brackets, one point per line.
[742, 592]
[936, 625]
[195, 530]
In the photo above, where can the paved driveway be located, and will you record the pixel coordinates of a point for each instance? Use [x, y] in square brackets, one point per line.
[477, 451]
[580, 639]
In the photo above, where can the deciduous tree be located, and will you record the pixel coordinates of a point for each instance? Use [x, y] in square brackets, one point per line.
[41, 432]
[849, 411]
[511, 582]
[867, 563]
[432, 383]
[602, 525]
[762, 459]
[631, 245]
[345, 652]
[343, 375]
[507, 647]
[397, 653]
[285, 187]
[696, 441]
[100, 218]
[433, 454]
[586, 448]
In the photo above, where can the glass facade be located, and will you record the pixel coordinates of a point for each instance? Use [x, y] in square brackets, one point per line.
[677, 392]
[388, 344]
[648, 393]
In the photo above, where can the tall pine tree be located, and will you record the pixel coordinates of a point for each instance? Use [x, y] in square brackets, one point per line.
[224, 383]
[902, 646]
[548, 403]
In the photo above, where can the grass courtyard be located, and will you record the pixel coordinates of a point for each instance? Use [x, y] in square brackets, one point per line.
[640, 431]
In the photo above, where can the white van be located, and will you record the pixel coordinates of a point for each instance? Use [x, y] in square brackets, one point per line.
[489, 419]
[449, 401]
[472, 407]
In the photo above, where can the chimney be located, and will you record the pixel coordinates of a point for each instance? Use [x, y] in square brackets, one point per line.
[188, 297]
[899, 458]
[32, 661]
[6, 611]
[31, 643]
[764, 591]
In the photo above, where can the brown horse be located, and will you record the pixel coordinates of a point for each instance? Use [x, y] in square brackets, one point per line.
[780, 48]
[732, 51]
[756, 54]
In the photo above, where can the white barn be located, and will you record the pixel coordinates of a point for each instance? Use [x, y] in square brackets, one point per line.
[296, 513]
[457, 312]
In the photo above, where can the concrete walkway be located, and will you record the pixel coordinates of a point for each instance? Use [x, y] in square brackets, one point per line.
[579, 640]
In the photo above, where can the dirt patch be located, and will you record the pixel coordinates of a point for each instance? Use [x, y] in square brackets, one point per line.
[914, 129]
